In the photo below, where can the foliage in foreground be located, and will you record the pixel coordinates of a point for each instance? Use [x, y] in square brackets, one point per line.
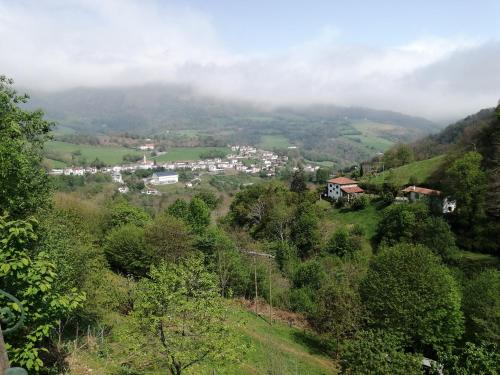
[180, 305]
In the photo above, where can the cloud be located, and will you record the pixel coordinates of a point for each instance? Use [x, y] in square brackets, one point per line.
[59, 44]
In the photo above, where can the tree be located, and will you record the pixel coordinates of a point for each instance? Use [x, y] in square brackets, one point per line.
[412, 223]
[360, 202]
[179, 209]
[322, 175]
[210, 199]
[168, 238]
[304, 230]
[343, 243]
[466, 183]
[31, 278]
[482, 359]
[407, 290]
[126, 250]
[121, 212]
[482, 307]
[24, 184]
[199, 215]
[298, 184]
[224, 259]
[378, 352]
[180, 305]
[338, 313]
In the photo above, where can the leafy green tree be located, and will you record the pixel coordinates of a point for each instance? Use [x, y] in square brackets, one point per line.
[322, 175]
[168, 238]
[482, 359]
[126, 250]
[338, 312]
[360, 202]
[378, 352]
[199, 215]
[298, 183]
[407, 290]
[24, 184]
[179, 209]
[31, 278]
[305, 230]
[180, 305]
[120, 212]
[210, 199]
[412, 223]
[286, 257]
[466, 183]
[343, 243]
[224, 259]
[482, 307]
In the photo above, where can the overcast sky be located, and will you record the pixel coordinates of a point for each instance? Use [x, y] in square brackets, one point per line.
[439, 59]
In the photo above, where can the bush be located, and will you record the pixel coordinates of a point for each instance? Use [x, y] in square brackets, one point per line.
[126, 250]
[360, 202]
[343, 243]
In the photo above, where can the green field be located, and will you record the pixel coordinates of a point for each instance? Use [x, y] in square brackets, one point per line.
[421, 170]
[270, 142]
[367, 218]
[187, 153]
[108, 154]
[114, 154]
[271, 349]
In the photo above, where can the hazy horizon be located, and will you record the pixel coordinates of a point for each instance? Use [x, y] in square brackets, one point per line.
[438, 61]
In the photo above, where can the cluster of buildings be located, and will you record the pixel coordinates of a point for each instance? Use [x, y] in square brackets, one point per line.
[345, 188]
[245, 159]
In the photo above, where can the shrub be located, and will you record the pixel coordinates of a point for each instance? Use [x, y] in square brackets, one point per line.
[360, 202]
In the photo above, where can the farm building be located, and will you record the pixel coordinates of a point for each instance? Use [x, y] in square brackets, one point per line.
[343, 187]
[416, 193]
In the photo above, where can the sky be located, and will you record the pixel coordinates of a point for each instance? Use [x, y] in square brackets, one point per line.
[437, 59]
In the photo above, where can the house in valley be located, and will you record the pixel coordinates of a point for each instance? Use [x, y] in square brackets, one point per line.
[163, 178]
[417, 193]
[343, 187]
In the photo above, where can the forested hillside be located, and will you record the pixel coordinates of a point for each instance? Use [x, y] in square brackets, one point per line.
[324, 132]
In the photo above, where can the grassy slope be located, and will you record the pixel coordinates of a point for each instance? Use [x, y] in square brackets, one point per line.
[114, 154]
[401, 175]
[108, 154]
[281, 348]
[269, 142]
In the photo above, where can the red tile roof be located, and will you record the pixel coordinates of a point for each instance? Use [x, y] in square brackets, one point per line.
[352, 189]
[421, 190]
[342, 181]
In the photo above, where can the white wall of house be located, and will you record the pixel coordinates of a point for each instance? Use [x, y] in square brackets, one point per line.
[335, 192]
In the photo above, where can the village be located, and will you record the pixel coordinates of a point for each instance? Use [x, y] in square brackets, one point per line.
[242, 159]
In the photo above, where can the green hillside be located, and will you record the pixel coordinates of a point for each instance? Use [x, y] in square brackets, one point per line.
[276, 349]
[421, 170]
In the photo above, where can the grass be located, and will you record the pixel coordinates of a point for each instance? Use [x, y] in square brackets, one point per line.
[108, 154]
[421, 170]
[114, 154]
[276, 349]
[187, 153]
[367, 218]
[270, 142]
[372, 141]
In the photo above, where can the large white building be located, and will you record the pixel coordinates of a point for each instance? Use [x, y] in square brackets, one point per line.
[343, 187]
[163, 178]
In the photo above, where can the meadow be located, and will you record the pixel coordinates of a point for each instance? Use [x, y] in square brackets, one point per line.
[420, 170]
[59, 154]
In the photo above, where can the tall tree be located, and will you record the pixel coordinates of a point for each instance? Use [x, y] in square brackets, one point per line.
[181, 306]
[24, 184]
[298, 184]
[407, 290]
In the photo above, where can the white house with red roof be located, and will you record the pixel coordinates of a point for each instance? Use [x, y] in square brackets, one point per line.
[343, 187]
[416, 193]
